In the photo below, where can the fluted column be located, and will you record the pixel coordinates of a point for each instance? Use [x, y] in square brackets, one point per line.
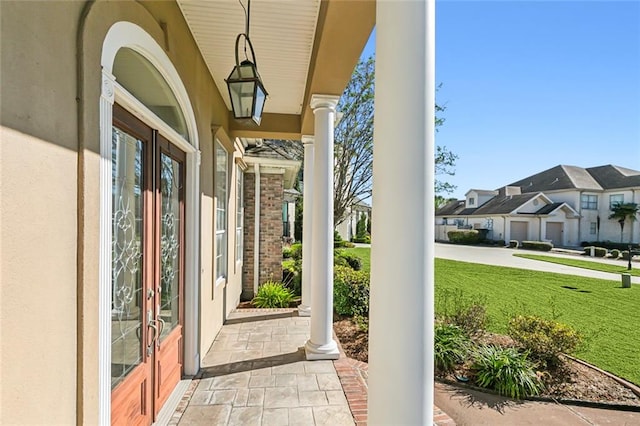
[321, 344]
[402, 284]
[304, 309]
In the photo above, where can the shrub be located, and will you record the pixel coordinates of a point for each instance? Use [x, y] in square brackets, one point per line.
[343, 258]
[451, 346]
[292, 275]
[609, 245]
[537, 245]
[296, 251]
[468, 313]
[615, 253]
[350, 292]
[597, 251]
[544, 339]
[286, 252]
[272, 294]
[342, 244]
[506, 371]
[464, 236]
[514, 244]
[625, 254]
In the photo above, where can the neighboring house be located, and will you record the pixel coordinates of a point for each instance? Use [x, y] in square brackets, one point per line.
[289, 214]
[347, 228]
[565, 205]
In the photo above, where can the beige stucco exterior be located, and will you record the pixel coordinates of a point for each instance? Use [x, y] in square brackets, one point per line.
[50, 202]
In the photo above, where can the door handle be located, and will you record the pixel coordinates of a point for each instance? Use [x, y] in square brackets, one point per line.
[160, 321]
[152, 326]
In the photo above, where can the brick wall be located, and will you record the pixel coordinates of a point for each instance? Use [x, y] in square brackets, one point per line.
[270, 255]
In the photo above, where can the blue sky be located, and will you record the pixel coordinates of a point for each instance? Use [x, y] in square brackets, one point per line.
[529, 85]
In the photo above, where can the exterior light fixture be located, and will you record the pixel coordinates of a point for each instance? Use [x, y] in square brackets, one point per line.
[246, 90]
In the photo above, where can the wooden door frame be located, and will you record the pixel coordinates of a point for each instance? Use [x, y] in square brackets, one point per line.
[164, 146]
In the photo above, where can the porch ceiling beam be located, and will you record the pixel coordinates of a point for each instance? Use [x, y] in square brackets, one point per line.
[342, 30]
[272, 126]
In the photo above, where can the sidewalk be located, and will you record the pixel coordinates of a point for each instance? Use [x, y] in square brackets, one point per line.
[256, 374]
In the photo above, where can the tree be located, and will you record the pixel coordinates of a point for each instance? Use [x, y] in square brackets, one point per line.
[440, 201]
[445, 160]
[354, 141]
[623, 211]
[353, 144]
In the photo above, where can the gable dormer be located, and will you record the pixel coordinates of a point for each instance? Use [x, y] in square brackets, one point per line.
[474, 198]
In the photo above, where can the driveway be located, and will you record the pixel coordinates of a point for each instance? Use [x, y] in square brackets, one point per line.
[501, 256]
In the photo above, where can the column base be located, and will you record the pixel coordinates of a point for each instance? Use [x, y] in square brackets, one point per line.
[315, 352]
[304, 310]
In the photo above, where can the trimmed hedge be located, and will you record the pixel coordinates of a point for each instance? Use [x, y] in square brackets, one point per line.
[615, 253]
[537, 245]
[514, 244]
[464, 236]
[609, 245]
[597, 251]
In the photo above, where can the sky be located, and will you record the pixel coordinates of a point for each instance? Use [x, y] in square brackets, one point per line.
[529, 85]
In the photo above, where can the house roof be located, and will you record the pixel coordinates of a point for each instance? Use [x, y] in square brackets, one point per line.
[611, 177]
[573, 177]
[549, 208]
[504, 204]
[451, 208]
[497, 205]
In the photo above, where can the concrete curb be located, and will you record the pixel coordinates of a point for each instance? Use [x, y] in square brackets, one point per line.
[576, 402]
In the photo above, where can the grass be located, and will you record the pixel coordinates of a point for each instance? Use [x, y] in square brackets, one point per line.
[364, 253]
[608, 314]
[585, 264]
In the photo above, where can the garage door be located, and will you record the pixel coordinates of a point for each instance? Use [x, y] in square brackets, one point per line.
[554, 232]
[519, 230]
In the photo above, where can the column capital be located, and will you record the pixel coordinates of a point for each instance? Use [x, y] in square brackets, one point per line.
[307, 139]
[324, 101]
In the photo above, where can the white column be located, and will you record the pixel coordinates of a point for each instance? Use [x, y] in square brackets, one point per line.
[402, 286]
[304, 309]
[321, 344]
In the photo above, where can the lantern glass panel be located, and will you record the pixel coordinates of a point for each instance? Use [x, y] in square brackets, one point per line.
[260, 99]
[242, 95]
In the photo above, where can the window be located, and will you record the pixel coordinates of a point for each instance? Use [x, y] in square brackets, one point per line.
[593, 227]
[221, 211]
[614, 199]
[472, 201]
[239, 214]
[589, 202]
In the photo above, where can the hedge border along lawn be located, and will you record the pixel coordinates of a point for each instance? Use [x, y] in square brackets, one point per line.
[584, 264]
[606, 313]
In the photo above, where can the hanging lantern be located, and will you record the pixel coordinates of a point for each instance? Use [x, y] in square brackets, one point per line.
[246, 91]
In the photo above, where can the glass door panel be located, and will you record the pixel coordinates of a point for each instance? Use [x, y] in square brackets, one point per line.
[170, 242]
[127, 306]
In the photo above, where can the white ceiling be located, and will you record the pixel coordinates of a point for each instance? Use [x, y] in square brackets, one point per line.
[281, 31]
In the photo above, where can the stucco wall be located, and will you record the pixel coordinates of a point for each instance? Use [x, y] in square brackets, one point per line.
[50, 198]
[38, 210]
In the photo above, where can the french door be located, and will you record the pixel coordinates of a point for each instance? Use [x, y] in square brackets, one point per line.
[147, 269]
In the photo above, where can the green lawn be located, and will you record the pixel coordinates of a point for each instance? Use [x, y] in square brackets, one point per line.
[363, 253]
[598, 308]
[585, 264]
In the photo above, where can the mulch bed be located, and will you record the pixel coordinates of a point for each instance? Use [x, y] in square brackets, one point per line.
[570, 381]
